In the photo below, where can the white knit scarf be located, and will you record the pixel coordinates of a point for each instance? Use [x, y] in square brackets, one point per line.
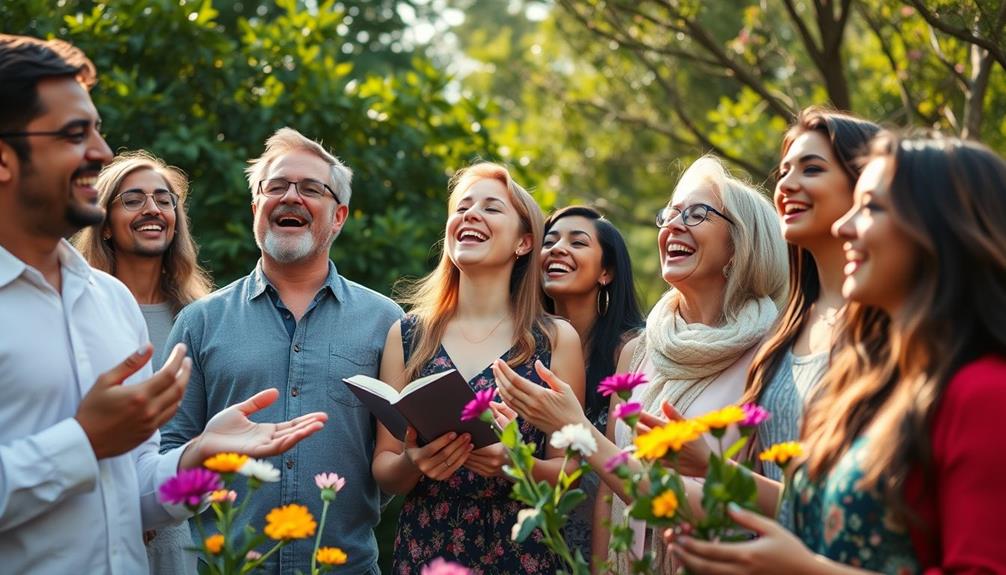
[686, 358]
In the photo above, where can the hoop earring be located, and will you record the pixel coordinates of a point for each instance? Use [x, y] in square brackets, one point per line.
[603, 299]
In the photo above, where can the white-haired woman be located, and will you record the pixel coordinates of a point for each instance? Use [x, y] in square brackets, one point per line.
[724, 258]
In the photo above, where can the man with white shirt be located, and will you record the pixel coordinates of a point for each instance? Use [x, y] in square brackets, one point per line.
[79, 462]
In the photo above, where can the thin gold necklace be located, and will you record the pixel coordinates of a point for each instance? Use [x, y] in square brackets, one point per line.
[488, 335]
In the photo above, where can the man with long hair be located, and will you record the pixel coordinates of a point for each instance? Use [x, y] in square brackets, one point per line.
[79, 403]
[145, 241]
[296, 323]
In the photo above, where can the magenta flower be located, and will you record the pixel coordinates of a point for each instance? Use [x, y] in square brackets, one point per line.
[189, 487]
[330, 481]
[754, 415]
[621, 383]
[476, 407]
[612, 464]
[441, 567]
[627, 410]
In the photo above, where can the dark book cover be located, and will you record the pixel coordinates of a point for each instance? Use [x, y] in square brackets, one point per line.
[432, 405]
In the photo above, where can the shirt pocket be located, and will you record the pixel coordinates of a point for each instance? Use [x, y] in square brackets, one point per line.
[347, 360]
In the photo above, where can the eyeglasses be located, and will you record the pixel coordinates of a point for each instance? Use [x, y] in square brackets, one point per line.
[75, 132]
[134, 200]
[307, 188]
[691, 216]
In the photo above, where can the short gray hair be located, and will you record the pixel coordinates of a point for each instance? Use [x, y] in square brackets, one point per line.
[760, 265]
[287, 140]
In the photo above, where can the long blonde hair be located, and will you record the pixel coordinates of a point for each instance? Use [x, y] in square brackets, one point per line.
[434, 298]
[183, 280]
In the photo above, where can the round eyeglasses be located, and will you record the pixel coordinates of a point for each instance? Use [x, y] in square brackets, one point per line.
[134, 200]
[307, 188]
[691, 216]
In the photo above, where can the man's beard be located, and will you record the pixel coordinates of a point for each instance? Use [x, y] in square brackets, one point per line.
[288, 250]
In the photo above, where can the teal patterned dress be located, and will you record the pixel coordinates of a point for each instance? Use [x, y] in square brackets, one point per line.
[836, 519]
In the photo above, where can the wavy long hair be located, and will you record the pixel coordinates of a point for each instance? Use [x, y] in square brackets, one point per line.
[183, 280]
[850, 137]
[622, 316]
[949, 197]
[433, 300]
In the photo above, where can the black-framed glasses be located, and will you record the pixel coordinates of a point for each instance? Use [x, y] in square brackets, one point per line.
[307, 188]
[134, 200]
[75, 131]
[691, 216]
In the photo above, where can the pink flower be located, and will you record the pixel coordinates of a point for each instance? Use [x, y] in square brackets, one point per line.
[330, 481]
[189, 487]
[754, 415]
[475, 407]
[620, 383]
[253, 555]
[440, 567]
[612, 464]
[627, 410]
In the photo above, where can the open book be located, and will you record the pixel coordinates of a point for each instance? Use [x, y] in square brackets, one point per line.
[432, 405]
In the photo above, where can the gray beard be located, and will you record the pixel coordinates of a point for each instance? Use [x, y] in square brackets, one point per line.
[288, 250]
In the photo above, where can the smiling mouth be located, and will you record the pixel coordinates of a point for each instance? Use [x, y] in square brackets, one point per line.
[290, 222]
[471, 236]
[678, 250]
[558, 269]
[794, 209]
[149, 227]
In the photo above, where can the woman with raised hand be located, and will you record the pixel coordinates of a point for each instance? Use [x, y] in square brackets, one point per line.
[587, 279]
[482, 303]
[724, 259]
[903, 468]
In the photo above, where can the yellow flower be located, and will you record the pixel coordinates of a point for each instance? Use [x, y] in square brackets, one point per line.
[723, 417]
[331, 556]
[290, 522]
[655, 443]
[782, 453]
[214, 543]
[225, 462]
[665, 504]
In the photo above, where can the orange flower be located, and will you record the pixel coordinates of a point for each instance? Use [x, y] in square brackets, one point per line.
[782, 453]
[290, 522]
[331, 556]
[214, 543]
[225, 462]
[665, 504]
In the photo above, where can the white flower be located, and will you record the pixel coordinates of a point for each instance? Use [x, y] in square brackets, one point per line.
[261, 470]
[522, 516]
[576, 437]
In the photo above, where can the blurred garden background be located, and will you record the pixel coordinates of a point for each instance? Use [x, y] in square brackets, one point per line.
[597, 101]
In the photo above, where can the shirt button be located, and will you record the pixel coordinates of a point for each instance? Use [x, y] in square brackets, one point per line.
[289, 464]
[296, 348]
[295, 392]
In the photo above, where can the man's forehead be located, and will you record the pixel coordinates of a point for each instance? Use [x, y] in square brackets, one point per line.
[301, 164]
[63, 100]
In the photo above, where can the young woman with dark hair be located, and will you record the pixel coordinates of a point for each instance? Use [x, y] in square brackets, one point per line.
[817, 171]
[904, 469]
[587, 279]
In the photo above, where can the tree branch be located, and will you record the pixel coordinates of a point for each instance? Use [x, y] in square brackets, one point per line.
[960, 33]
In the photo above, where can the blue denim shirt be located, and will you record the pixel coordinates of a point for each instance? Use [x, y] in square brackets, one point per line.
[239, 344]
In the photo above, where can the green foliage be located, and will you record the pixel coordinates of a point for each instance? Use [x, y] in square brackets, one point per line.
[203, 86]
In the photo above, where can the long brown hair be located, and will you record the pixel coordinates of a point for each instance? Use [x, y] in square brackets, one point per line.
[849, 137]
[434, 298]
[183, 280]
[949, 197]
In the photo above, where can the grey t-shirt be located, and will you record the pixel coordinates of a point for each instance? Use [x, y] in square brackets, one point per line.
[159, 317]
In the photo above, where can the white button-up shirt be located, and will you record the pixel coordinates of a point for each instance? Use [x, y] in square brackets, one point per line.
[61, 509]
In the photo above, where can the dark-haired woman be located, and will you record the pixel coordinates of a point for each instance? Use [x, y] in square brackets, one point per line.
[904, 441]
[817, 170]
[587, 279]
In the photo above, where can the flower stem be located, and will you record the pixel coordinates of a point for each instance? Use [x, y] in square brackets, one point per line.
[317, 540]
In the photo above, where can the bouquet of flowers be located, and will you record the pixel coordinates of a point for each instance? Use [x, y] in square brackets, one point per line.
[547, 506]
[229, 553]
[655, 486]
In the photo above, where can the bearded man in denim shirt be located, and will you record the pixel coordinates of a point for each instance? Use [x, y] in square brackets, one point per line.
[296, 324]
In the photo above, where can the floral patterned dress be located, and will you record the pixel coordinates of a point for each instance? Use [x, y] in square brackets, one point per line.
[838, 520]
[468, 518]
